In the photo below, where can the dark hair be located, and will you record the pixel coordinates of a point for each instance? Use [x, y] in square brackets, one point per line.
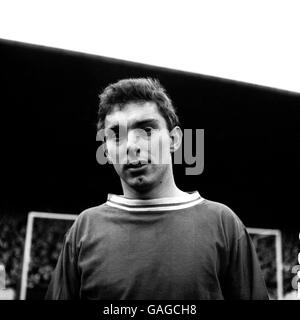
[136, 90]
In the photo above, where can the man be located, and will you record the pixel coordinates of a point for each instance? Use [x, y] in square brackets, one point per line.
[155, 241]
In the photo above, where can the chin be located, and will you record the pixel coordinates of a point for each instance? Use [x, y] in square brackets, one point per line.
[141, 183]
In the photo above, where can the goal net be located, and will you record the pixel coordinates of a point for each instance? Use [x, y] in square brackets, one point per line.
[44, 239]
[43, 242]
[268, 245]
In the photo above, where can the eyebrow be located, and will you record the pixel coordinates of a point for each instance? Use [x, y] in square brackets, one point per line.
[137, 124]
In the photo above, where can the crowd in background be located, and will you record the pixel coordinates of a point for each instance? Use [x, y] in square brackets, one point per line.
[47, 241]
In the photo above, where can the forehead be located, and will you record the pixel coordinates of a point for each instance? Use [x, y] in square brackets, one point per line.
[132, 113]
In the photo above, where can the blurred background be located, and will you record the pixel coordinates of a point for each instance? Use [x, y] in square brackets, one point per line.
[49, 100]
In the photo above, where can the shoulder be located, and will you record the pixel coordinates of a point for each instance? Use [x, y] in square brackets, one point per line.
[87, 220]
[222, 217]
[93, 212]
[219, 209]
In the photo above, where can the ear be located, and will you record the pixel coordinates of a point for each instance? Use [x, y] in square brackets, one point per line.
[176, 138]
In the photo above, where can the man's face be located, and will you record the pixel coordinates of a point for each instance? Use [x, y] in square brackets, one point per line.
[138, 144]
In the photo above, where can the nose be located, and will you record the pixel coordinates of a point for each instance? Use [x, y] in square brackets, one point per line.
[133, 148]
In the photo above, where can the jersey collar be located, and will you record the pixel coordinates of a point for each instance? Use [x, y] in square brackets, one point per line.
[159, 204]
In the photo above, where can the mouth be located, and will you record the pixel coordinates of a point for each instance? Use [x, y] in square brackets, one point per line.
[136, 165]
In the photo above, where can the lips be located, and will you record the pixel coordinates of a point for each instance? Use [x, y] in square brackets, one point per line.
[135, 165]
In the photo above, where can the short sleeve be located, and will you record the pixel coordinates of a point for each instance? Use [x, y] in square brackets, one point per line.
[243, 278]
[65, 284]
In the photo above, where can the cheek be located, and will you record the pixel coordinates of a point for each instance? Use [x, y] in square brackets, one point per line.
[160, 147]
[116, 152]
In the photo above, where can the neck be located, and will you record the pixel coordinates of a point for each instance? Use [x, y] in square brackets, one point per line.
[166, 188]
[153, 193]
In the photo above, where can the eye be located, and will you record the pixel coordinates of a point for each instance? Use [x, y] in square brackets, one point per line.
[148, 130]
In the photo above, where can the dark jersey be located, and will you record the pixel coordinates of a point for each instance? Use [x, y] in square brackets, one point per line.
[168, 248]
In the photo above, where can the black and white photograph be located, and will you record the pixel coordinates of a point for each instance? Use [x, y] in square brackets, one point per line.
[150, 151]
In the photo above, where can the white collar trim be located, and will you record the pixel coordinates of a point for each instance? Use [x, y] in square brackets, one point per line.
[159, 204]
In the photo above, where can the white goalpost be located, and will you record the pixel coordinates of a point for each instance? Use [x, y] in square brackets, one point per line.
[61, 216]
[28, 240]
[278, 247]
